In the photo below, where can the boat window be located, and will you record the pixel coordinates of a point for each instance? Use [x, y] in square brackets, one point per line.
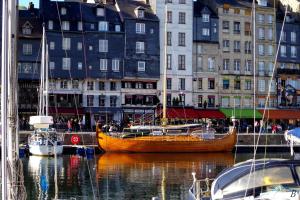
[263, 177]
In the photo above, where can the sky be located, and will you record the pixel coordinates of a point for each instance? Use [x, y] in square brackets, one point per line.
[26, 2]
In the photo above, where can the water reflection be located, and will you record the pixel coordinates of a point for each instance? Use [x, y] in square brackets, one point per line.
[139, 176]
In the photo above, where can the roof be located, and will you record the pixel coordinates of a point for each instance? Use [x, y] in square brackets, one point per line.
[128, 7]
[30, 16]
[199, 6]
[281, 114]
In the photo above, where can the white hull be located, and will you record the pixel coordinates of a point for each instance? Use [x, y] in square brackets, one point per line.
[45, 150]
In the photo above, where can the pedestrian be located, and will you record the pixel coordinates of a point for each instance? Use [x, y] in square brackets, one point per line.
[69, 124]
[274, 128]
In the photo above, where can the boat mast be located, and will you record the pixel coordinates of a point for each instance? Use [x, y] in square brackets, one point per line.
[164, 97]
[42, 75]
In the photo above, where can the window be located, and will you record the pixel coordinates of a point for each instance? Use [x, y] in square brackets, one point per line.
[79, 46]
[237, 84]
[181, 99]
[211, 101]
[66, 43]
[100, 11]
[101, 85]
[169, 1]
[103, 46]
[282, 65]
[225, 101]
[283, 36]
[237, 64]
[113, 101]
[205, 17]
[199, 64]
[92, 26]
[261, 33]
[293, 36]
[52, 45]
[90, 85]
[116, 65]
[103, 64]
[103, 26]
[225, 84]
[66, 63]
[182, 83]
[270, 67]
[283, 50]
[237, 28]
[141, 66]
[247, 84]
[102, 101]
[75, 84]
[211, 83]
[200, 84]
[79, 65]
[140, 47]
[63, 11]
[248, 67]
[181, 1]
[279, 175]
[26, 30]
[226, 26]
[270, 19]
[211, 64]
[27, 49]
[140, 13]
[260, 18]
[140, 28]
[181, 39]
[261, 49]
[247, 47]
[181, 62]
[181, 19]
[226, 45]
[205, 31]
[261, 85]
[117, 28]
[90, 100]
[237, 46]
[64, 84]
[247, 28]
[65, 25]
[52, 65]
[293, 52]
[79, 26]
[261, 66]
[169, 61]
[113, 86]
[226, 64]
[200, 101]
[169, 83]
[225, 10]
[236, 11]
[270, 34]
[169, 38]
[50, 25]
[270, 50]
[169, 17]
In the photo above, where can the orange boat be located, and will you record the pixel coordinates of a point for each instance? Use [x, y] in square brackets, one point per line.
[168, 143]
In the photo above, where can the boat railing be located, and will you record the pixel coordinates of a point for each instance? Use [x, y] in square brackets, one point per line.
[200, 188]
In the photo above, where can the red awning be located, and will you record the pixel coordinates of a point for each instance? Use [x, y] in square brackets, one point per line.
[211, 114]
[281, 114]
[72, 111]
[191, 113]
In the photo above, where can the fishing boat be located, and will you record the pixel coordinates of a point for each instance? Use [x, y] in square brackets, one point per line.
[167, 139]
[44, 141]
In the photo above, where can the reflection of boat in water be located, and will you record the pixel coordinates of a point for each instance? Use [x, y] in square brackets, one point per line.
[202, 163]
[167, 142]
[266, 179]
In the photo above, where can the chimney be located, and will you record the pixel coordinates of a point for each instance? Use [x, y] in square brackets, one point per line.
[31, 6]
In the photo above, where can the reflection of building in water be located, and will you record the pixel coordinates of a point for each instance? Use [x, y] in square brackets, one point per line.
[131, 170]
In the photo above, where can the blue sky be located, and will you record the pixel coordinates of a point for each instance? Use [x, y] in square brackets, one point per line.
[26, 2]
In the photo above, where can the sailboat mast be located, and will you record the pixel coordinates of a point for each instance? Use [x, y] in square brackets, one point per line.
[164, 93]
[46, 79]
[42, 75]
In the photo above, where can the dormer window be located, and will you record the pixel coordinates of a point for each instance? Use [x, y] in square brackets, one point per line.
[26, 29]
[205, 17]
[100, 11]
[262, 2]
[63, 11]
[139, 12]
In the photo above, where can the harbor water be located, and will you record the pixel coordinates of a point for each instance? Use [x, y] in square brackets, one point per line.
[123, 176]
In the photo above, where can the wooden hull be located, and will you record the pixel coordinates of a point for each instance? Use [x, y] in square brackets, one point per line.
[166, 143]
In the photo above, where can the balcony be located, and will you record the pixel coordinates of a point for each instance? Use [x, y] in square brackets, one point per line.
[288, 71]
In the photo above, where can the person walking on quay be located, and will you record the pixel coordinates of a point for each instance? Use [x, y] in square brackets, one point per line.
[69, 124]
[274, 128]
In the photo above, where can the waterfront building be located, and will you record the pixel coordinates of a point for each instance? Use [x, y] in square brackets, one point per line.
[235, 77]
[139, 95]
[29, 33]
[176, 41]
[86, 59]
[265, 53]
[288, 66]
[205, 56]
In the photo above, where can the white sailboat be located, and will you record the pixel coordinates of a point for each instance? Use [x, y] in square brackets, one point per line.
[44, 141]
